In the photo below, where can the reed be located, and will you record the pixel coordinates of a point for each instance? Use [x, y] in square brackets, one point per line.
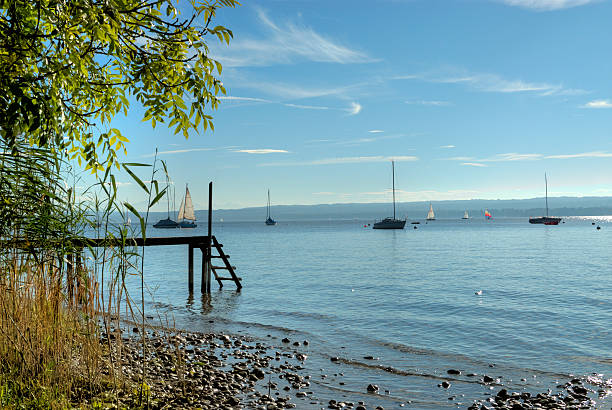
[57, 301]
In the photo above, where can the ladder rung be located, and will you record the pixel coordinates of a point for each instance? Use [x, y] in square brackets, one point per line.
[222, 267]
[220, 278]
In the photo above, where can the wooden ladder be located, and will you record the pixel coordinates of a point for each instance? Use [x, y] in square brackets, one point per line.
[227, 266]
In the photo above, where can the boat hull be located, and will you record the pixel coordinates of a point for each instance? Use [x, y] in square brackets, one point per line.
[270, 222]
[166, 224]
[390, 223]
[187, 224]
[545, 220]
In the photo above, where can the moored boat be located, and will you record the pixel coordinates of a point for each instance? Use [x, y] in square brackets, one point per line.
[391, 223]
[269, 220]
[545, 220]
[465, 215]
[430, 215]
[186, 216]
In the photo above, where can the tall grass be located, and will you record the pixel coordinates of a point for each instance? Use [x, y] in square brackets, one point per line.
[56, 298]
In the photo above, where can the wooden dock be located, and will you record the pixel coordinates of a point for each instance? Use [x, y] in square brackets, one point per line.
[207, 244]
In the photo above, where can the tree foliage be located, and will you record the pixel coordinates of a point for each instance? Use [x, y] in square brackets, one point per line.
[67, 68]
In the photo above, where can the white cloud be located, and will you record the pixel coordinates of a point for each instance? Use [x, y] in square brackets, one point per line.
[598, 104]
[261, 151]
[306, 107]
[434, 103]
[448, 146]
[595, 154]
[512, 156]
[547, 4]
[343, 160]
[179, 151]
[285, 43]
[354, 109]
[376, 131]
[487, 82]
[247, 99]
[262, 100]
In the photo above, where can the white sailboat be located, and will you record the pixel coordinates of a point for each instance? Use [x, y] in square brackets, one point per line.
[186, 216]
[465, 215]
[391, 223]
[430, 215]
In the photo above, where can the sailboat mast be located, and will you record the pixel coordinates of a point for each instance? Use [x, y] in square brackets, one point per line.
[168, 194]
[393, 172]
[268, 215]
[546, 183]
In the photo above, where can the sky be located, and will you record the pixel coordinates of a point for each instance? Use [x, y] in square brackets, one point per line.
[471, 98]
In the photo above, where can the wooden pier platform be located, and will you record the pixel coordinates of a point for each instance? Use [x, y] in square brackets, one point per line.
[194, 242]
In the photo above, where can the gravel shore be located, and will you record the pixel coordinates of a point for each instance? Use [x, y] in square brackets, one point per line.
[218, 371]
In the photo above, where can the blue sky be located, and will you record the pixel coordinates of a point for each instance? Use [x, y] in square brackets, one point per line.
[472, 98]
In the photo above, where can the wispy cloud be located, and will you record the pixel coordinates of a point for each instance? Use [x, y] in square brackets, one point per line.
[512, 157]
[286, 43]
[354, 109]
[376, 131]
[487, 82]
[598, 104]
[434, 103]
[342, 160]
[594, 154]
[232, 99]
[261, 151]
[543, 5]
[179, 151]
[447, 146]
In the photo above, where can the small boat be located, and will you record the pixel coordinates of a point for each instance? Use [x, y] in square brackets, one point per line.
[186, 216]
[430, 215]
[269, 220]
[546, 220]
[465, 215]
[488, 214]
[166, 223]
[415, 223]
[391, 223]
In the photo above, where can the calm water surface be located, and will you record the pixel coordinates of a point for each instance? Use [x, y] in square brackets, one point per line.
[408, 297]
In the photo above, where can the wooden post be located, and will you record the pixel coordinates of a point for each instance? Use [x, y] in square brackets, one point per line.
[207, 254]
[190, 268]
[209, 265]
[204, 286]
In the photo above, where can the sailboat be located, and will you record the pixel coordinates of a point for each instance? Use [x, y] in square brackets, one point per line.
[465, 215]
[546, 220]
[488, 214]
[430, 215]
[166, 223]
[269, 220]
[391, 223]
[186, 216]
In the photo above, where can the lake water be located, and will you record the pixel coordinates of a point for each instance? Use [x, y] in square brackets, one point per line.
[408, 298]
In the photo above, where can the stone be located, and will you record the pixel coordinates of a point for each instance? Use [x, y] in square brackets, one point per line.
[445, 384]
[372, 388]
[453, 371]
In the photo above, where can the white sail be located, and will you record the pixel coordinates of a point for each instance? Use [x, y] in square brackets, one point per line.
[430, 214]
[181, 213]
[188, 212]
[465, 215]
